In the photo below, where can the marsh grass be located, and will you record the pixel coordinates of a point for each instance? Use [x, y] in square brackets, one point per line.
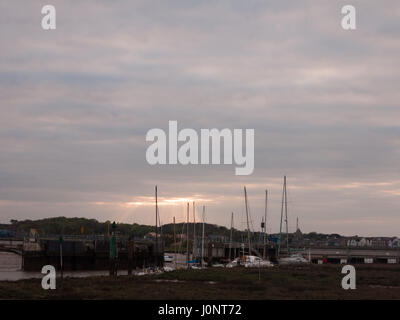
[281, 282]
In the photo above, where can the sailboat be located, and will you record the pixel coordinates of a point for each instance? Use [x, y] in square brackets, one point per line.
[171, 258]
[256, 262]
[294, 258]
[251, 261]
[202, 263]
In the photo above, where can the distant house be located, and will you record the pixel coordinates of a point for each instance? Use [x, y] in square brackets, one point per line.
[333, 243]
[357, 242]
[375, 242]
[364, 242]
[352, 242]
[380, 242]
[150, 236]
[394, 243]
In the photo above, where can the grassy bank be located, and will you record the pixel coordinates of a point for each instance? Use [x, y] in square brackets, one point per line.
[284, 282]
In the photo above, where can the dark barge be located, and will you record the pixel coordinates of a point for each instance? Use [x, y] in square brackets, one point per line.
[89, 254]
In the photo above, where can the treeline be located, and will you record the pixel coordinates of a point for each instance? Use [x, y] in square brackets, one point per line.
[209, 230]
[77, 226]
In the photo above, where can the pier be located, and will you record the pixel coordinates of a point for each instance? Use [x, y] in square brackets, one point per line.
[83, 253]
[344, 255]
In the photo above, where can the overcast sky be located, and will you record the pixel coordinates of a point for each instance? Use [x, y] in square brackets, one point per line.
[76, 104]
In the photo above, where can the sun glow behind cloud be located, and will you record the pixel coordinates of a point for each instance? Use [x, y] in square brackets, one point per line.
[150, 201]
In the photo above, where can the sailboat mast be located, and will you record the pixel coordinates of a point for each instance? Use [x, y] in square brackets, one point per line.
[265, 222]
[230, 239]
[280, 228]
[247, 217]
[174, 244]
[202, 237]
[156, 225]
[187, 238]
[194, 232]
[160, 227]
[286, 219]
[182, 233]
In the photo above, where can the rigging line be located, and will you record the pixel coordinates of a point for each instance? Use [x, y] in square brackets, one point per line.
[251, 220]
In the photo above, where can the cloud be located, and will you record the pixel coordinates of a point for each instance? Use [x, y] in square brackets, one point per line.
[77, 102]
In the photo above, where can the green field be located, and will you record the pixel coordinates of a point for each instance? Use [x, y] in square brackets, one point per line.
[280, 282]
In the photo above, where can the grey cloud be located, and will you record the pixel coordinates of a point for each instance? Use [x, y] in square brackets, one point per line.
[76, 104]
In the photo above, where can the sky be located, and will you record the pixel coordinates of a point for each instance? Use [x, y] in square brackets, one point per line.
[76, 104]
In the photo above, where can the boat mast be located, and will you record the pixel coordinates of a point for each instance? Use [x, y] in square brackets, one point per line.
[202, 237]
[160, 227]
[265, 222]
[174, 244]
[182, 233]
[156, 257]
[280, 228]
[194, 233]
[187, 238]
[247, 217]
[230, 239]
[286, 218]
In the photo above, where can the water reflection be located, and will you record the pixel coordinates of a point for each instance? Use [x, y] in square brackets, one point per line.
[10, 268]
